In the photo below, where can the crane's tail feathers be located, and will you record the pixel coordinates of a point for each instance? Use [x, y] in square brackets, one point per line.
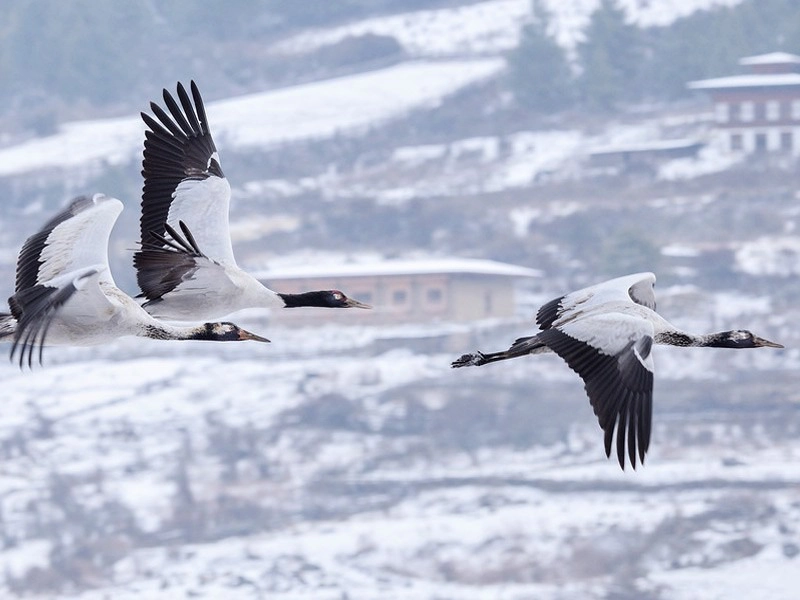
[8, 325]
[527, 345]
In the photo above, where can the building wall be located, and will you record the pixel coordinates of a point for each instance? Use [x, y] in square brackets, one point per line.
[758, 107]
[623, 159]
[752, 140]
[476, 298]
[758, 120]
[409, 298]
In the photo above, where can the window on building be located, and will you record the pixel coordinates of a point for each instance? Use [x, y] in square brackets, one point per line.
[434, 295]
[796, 110]
[399, 297]
[722, 112]
[759, 111]
[365, 297]
[736, 141]
[761, 142]
[787, 141]
[773, 110]
[488, 306]
[746, 111]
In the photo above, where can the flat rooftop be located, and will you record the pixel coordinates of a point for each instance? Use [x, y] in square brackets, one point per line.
[465, 266]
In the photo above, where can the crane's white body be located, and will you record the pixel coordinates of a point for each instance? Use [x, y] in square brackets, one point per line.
[65, 294]
[185, 189]
[98, 312]
[75, 253]
[213, 290]
[605, 333]
[185, 184]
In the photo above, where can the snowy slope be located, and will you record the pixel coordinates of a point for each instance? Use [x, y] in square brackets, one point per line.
[367, 509]
[487, 27]
[310, 111]
[347, 104]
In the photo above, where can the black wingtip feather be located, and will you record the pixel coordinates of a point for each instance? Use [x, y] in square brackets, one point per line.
[619, 389]
[37, 307]
[200, 107]
[162, 264]
[176, 113]
[632, 432]
[548, 313]
[177, 146]
[189, 237]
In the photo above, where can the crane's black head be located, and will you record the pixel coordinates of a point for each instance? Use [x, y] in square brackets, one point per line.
[226, 332]
[323, 299]
[741, 338]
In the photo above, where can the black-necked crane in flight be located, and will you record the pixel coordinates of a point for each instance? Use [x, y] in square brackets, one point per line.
[185, 267]
[605, 334]
[65, 294]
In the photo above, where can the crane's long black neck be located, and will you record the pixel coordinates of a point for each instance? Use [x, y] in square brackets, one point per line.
[216, 332]
[163, 331]
[721, 339]
[321, 299]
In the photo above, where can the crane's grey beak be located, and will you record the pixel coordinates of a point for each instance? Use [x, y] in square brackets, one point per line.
[350, 303]
[761, 342]
[246, 335]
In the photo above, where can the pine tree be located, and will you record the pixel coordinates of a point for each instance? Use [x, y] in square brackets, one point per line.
[539, 74]
[610, 58]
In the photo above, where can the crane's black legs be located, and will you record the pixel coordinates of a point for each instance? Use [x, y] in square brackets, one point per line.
[522, 347]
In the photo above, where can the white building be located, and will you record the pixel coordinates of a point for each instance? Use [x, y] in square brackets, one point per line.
[758, 111]
[442, 289]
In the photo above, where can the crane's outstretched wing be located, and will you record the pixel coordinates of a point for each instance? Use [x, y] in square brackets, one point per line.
[611, 353]
[183, 179]
[636, 288]
[75, 238]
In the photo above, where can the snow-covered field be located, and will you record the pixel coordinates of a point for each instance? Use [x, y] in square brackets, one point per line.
[361, 510]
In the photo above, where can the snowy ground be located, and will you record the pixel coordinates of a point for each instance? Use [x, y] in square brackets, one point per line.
[488, 27]
[405, 518]
[489, 164]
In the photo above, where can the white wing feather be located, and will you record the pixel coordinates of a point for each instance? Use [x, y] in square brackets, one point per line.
[203, 204]
[81, 241]
[610, 333]
[637, 288]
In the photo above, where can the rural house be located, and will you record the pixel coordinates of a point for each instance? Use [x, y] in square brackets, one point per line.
[758, 111]
[405, 291]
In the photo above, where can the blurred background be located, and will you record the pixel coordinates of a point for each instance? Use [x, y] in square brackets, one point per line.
[456, 163]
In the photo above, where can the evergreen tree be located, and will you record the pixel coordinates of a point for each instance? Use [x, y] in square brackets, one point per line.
[539, 73]
[610, 58]
[710, 43]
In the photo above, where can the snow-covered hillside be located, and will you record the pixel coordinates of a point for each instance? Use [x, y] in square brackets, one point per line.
[350, 461]
[351, 472]
[477, 33]
[488, 27]
[312, 111]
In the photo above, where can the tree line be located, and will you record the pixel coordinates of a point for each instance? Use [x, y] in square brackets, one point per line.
[619, 63]
[57, 57]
